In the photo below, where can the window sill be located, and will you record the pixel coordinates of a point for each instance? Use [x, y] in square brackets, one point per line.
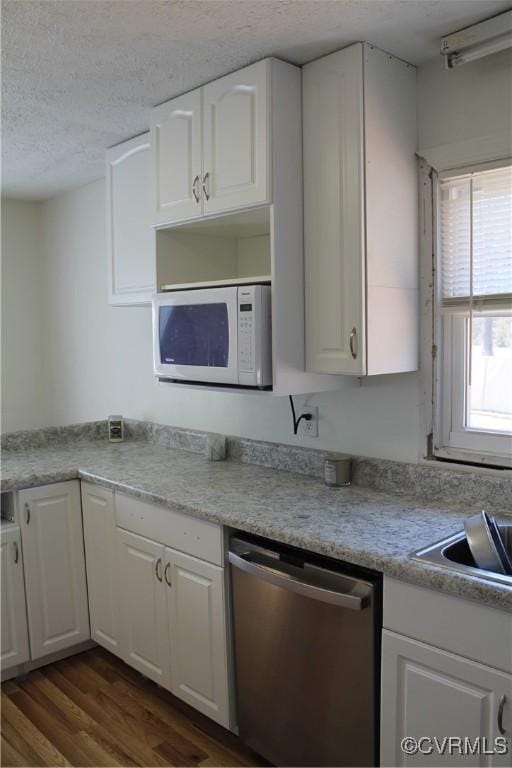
[466, 461]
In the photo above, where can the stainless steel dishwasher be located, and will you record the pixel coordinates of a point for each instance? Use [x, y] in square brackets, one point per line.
[307, 647]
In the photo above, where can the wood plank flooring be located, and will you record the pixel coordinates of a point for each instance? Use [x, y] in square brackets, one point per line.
[94, 710]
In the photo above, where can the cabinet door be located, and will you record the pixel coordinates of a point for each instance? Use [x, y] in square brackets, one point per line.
[53, 550]
[131, 239]
[196, 609]
[432, 693]
[236, 144]
[100, 557]
[176, 152]
[334, 239]
[143, 626]
[15, 648]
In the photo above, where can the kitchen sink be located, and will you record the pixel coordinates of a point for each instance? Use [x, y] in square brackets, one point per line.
[454, 553]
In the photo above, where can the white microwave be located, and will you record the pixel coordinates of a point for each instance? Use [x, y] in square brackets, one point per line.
[214, 336]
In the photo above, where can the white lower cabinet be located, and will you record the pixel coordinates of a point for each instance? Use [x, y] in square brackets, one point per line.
[54, 566]
[160, 609]
[100, 540]
[173, 625]
[446, 680]
[197, 629]
[144, 631]
[432, 694]
[15, 646]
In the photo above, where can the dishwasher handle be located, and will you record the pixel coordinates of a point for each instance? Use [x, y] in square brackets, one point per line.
[292, 584]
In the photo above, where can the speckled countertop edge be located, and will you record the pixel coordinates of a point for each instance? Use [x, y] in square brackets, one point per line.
[362, 526]
[405, 569]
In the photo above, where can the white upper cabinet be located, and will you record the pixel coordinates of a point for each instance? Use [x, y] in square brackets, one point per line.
[176, 155]
[15, 648]
[333, 190]
[53, 549]
[131, 239]
[211, 147]
[235, 140]
[360, 213]
[250, 225]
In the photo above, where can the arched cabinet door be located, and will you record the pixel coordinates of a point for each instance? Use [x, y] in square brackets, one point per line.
[176, 157]
[130, 235]
[236, 143]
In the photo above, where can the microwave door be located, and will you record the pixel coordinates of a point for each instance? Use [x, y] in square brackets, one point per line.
[196, 336]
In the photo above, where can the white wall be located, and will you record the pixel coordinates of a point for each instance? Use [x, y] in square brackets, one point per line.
[23, 360]
[100, 356]
[469, 106]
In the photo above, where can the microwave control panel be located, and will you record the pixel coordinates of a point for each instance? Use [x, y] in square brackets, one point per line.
[246, 310]
[254, 336]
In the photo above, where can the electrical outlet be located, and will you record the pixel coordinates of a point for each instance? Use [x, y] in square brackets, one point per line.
[309, 428]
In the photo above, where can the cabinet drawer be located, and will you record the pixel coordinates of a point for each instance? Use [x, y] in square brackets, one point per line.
[460, 626]
[187, 534]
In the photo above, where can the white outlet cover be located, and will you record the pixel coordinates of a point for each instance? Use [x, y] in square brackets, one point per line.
[309, 428]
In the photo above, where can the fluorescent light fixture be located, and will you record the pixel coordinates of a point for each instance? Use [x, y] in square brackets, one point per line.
[477, 41]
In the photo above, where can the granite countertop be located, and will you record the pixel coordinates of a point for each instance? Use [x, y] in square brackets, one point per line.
[361, 526]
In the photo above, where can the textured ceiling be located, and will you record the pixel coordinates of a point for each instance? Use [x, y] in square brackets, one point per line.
[82, 75]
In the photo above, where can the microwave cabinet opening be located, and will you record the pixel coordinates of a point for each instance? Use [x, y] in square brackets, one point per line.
[229, 249]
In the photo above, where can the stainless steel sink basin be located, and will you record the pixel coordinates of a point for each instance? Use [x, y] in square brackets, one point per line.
[454, 553]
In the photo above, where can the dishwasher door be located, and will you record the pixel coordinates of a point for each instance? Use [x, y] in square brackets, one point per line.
[306, 658]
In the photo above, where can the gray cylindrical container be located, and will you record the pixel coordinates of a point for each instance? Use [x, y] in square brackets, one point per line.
[338, 470]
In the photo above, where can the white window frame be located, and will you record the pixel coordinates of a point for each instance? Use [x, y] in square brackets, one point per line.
[451, 439]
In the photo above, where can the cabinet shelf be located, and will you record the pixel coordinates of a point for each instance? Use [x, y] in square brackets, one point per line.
[247, 223]
[256, 280]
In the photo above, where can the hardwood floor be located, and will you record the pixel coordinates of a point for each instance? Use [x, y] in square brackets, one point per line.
[93, 710]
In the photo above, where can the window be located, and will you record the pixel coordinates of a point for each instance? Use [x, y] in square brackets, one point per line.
[474, 299]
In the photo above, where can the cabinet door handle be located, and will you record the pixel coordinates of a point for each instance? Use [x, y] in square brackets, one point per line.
[195, 190]
[16, 552]
[158, 569]
[27, 512]
[205, 179]
[166, 575]
[353, 343]
[501, 707]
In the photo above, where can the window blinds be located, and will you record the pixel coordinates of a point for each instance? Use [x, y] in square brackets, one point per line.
[476, 238]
